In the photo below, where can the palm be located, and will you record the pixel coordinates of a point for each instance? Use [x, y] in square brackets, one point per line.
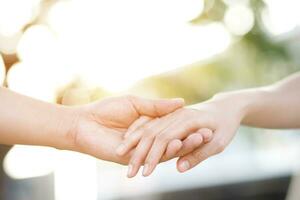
[96, 140]
[116, 113]
[101, 127]
[104, 121]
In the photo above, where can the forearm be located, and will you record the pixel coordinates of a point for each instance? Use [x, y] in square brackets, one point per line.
[275, 106]
[24, 120]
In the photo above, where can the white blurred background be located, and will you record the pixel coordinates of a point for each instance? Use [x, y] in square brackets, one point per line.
[83, 50]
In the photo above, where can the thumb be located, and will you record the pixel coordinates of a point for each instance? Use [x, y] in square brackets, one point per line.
[156, 108]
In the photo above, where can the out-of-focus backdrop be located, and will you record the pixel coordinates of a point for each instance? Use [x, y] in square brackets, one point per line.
[77, 51]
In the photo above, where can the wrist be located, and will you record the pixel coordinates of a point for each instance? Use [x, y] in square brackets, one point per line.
[66, 126]
[244, 102]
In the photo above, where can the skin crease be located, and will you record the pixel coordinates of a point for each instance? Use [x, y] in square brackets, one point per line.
[98, 124]
[275, 106]
[99, 128]
[95, 129]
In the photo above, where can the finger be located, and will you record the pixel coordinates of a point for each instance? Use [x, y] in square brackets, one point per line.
[195, 140]
[153, 128]
[192, 142]
[138, 157]
[136, 125]
[148, 132]
[155, 108]
[161, 141]
[173, 148]
[189, 144]
[192, 159]
[130, 142]
[144, 131]
[207, 134]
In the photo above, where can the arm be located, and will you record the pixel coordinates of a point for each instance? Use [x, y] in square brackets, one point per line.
[24, 120]
[275, 106]
[95, 129]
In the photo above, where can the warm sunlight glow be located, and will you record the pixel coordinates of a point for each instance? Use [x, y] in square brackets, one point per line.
[281, 16]
[8, 44]
[239, 19]
[41, 71]
[29, 161]
[37, 43]
[114, 53]
[2, 70]
[32, 80]
[15, 14]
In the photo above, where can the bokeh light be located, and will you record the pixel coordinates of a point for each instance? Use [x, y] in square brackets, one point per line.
[15, 14]
[105, 48]
[37, 44]
[110, 47]
[239, 19]
[8, 44]
[23, 162]
[32, 80]
[281, 16]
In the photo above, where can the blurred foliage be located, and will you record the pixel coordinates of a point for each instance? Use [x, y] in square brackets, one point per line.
[254, 59]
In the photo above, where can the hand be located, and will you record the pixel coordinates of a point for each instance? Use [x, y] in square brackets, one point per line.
[149, 138]
[99, 127]
[174, 148]
[152, 139]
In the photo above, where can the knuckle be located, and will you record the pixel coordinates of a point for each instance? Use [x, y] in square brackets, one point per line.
[162, 138]
[199, 155]
[150, 160]
[148, 138]
[147, 131]
[134, 162]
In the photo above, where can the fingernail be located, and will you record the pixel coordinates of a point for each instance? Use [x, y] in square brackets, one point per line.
[120, 149]
[184, 166]
[129, 172]
[146, 170]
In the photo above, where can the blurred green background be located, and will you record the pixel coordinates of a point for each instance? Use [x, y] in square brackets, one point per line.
[77, 51]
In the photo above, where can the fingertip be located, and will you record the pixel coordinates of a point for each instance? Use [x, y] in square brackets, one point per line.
[146, 170]
[132, 170]
[197, 138]
[173, 148]
[129, 171]
[207, 135]
[175, 145]
[183, 165]
[193, 140]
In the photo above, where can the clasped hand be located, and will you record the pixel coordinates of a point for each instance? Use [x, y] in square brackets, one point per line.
[135, 131]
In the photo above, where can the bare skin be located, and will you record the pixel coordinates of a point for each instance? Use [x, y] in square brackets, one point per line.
[274, 106]
[95, 129]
